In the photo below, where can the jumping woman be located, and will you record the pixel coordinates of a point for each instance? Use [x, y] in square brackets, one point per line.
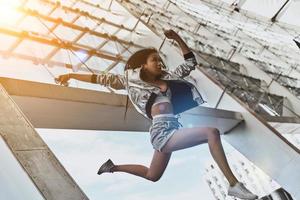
[160, 96]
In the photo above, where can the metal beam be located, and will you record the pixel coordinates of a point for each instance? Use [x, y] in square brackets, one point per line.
[281, 11]
[280, 119]
[38, 61]
[59, 21]
[225, 8]
[57, 4]
[61, 44]
[53, 106]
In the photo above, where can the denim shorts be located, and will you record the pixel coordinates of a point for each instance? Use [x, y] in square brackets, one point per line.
[162, 128]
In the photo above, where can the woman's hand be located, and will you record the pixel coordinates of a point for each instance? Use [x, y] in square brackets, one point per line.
[63, 79]
[171, 34]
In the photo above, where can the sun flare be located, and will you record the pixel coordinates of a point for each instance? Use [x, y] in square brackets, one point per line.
[8, 11]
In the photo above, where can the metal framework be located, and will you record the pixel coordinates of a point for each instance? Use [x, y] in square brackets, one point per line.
[49, 38]
[244, 41]
[158, 16]
[280, 11]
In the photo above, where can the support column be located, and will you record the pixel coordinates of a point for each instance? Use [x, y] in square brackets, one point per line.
[33, 154]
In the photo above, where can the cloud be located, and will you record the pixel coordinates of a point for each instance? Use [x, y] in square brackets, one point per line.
[82, 152]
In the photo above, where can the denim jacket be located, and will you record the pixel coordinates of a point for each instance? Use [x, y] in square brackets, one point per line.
[142, 94]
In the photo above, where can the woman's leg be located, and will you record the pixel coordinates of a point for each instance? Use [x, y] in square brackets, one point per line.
[158, 165]
[188, 137]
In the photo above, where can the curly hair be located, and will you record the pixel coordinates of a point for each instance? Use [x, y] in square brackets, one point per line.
[139, 58]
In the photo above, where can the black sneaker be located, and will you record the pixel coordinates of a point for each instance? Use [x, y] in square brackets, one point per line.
[106, 167]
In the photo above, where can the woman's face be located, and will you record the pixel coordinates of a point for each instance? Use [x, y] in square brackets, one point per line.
[154, 64]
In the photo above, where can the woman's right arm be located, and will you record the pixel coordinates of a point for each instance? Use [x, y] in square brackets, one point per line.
[64, 78]
[115, 81]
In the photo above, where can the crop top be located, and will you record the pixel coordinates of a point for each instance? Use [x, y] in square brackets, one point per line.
[163, 97]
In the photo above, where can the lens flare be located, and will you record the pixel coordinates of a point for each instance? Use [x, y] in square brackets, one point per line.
[8, 12]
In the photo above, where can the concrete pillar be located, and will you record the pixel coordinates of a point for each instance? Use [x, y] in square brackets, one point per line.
[33, 154]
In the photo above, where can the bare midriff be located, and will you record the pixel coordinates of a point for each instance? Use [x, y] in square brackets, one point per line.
[161, 108]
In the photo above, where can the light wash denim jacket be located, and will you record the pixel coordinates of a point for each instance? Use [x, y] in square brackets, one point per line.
[139, 91]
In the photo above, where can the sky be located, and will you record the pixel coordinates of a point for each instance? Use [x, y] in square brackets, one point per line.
[82, 152]
[12, 176]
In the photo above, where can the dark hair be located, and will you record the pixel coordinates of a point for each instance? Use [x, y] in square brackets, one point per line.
[135, 61]
[139, 58]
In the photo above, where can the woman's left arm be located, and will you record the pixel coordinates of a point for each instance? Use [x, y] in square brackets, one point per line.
[190, 61]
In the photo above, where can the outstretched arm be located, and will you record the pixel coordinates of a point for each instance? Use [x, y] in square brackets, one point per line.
[108, 79]
[64, 78]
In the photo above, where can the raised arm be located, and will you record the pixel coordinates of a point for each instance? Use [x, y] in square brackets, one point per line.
[190, 61]
[108, 79]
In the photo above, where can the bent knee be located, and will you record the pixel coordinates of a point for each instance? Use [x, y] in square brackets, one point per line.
[153, 178]
[213, 134]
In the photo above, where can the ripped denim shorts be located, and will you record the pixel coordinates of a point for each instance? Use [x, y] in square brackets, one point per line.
[162, 128]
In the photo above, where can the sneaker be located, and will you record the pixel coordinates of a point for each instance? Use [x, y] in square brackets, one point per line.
[240, 191]
[106, 167]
